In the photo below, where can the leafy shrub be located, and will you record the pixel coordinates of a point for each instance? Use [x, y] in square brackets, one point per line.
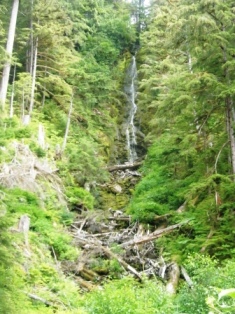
[40, 152]
[23, 133]
[80, 197]
[127, 296]
[209, 277]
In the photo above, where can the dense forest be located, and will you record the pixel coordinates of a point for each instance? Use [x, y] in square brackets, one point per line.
[117, 156]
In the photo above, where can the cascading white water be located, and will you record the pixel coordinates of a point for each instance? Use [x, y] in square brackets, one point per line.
[130, 91]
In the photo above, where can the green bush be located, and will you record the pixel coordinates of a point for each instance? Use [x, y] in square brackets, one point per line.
[209, 277]
[23, 133]
[80, 197]
[40, 152]
[127, 296]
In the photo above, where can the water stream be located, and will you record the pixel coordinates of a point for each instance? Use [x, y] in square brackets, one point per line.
[130, 90]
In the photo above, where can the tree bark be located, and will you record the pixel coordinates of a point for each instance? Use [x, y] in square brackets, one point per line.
[229, 113]
[174, 276]
[67, 125]
[12, 94]
[34, 72]
[9, 50]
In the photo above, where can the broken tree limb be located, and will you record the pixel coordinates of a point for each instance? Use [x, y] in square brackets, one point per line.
[125, 166]
[154, 235]
[186, 276]
[210, 235]
[128, 267]
[181, 209]
[37, 298]
[174, 275]
[156, 218]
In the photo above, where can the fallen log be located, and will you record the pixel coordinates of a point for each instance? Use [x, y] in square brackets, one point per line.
[84, 284]
[154, 235]
[124, 166]
[37, 298]
[174, 275]
[88, 274]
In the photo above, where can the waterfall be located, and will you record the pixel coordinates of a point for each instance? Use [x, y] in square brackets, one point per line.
[130, 90]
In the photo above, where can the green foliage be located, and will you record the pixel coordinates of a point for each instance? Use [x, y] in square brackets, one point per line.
[159, 190]
[11, 281]
[185, 85]
[80, 197]
[42, 222]
[209, 277]
[40, 152]
[127, 296]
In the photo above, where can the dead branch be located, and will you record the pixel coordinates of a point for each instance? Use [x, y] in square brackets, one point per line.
[128, 267]
[181, 209]
[186, 276]
[37, 298]
[154, 235]
[156, 218]
[125, 166]
[210, 235]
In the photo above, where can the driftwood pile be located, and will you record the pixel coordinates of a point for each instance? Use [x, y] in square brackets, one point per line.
[113, 236]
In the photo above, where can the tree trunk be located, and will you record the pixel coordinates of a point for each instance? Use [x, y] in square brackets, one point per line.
[229, 116]
[13, 94]
[34, 71]
[68, 124]
[41, 136]
[9, 49]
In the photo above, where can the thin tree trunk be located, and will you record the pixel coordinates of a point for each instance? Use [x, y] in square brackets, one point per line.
[229, 109]
[41, 136]
[13, 93]
[31, 48]
[68, 124]
[44, 89]
[9, 50]
[34, 72]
